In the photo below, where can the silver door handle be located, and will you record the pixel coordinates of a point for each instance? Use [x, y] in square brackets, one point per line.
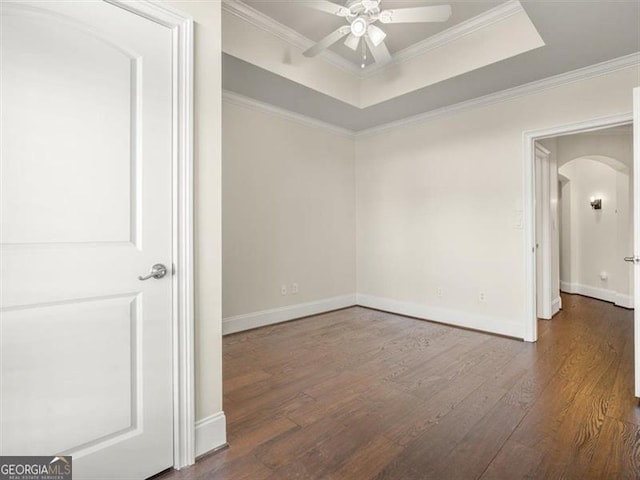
[157, 271]
[632, 259]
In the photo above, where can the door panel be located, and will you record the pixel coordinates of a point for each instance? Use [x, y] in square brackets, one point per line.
[107, 329]
[75, 94]
[86, 208]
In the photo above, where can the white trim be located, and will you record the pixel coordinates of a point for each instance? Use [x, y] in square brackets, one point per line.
[247, 321]
[242, 101]
[181, 26]
[456, 32]
[289, 35]
[608, 133]
[475, 321]
[632, 60]
[556, 305]
[636, 234]
[528, 178]
[545, 299]
[625, 301]
[210, 433]
[604, 294]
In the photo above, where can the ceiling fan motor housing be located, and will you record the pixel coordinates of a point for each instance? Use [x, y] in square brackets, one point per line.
[359, 26]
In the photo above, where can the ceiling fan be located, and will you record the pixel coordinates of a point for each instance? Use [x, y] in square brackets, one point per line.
[362, 15]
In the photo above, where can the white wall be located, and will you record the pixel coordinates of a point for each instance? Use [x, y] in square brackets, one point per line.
[210, 428]
[288, 217]
[565, 208]
[598, 239]
[438, 205]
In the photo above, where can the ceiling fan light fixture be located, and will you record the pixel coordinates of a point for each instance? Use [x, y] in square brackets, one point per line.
[386, 16]
[359, 27]
[352, 42]
[376, 35]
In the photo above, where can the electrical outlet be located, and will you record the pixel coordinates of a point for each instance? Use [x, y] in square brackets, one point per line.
[482, 297]
[283, 290]
[439, 293]
[294, 288]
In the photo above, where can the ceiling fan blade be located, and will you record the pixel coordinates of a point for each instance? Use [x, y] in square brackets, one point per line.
[326, 6]
[376, 34]
[380, 53]
[436, 13]
[352, 42]
[327, 41]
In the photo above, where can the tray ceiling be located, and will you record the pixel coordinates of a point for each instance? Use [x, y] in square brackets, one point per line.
[576, 35]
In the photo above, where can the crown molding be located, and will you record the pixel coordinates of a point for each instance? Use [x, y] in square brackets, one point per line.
[592, 71]
[624, 132]
[483, 20]
[289, 35]
[242, 101]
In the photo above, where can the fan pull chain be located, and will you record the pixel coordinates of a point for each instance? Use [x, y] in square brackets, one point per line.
[364, 53]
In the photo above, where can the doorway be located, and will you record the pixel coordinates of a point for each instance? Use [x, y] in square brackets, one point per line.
[584, 217]
[532, 235]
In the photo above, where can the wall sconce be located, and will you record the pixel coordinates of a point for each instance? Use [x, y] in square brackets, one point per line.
[596, 203]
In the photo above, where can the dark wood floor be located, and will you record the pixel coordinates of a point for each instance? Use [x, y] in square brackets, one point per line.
[360, 394]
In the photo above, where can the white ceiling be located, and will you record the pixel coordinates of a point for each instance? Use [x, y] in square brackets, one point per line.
[315, 25]
[576, 34]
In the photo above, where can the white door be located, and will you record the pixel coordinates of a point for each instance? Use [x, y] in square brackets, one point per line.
[636, 232]
[86, 363]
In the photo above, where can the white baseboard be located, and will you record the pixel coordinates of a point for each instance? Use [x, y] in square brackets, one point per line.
[458, 318]
[599, 293]
[211, 433]
[248, 321]
[625, 301]
[556, 306]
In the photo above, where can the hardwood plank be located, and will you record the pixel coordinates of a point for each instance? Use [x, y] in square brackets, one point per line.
[617, 454]
[428, 452]
[427, 410]
[623, 405]
[513, 461]
[244, 380]
[474, 453]
[287, 448]
[368, 460]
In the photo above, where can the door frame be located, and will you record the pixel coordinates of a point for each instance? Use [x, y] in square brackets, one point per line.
[635, 194]
[528, 155]
[181, 26]
[542, 158]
